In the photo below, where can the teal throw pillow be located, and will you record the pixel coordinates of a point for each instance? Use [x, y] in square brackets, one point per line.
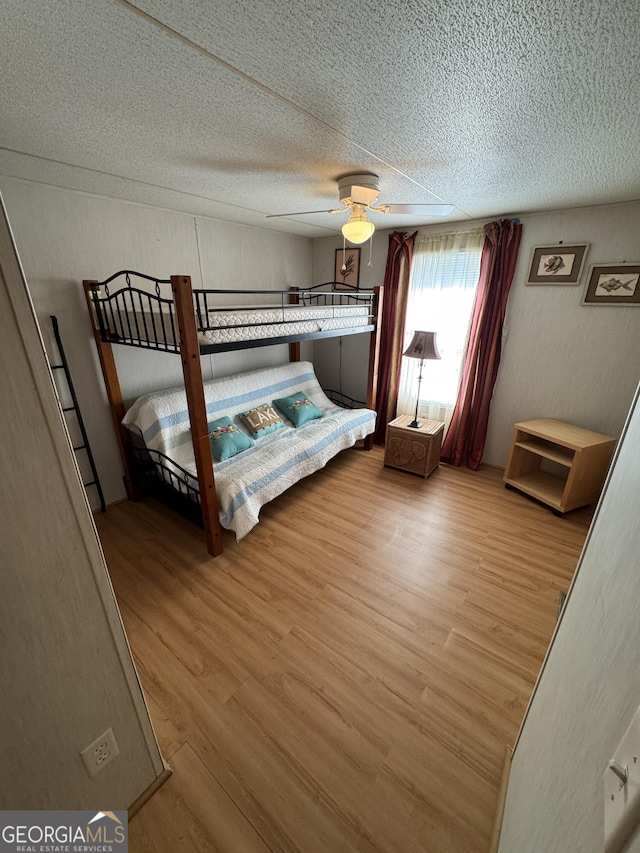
[298, 408]
[227, 439]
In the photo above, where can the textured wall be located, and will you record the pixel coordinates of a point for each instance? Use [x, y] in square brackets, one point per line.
[589, 689]
[560, 359]
[342, 363]
[64, 237]
[67, 673]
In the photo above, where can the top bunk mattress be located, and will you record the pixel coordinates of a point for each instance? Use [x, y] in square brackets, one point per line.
[130, 325]
[238, 324]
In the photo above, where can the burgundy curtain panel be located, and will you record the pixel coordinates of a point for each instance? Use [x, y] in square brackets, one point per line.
[394, 310]
[465, 440]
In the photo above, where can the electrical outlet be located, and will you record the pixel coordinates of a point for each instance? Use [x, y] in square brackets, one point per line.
[622, 789]
[99, 753]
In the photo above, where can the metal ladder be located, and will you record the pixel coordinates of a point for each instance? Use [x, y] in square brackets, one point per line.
[63, 365]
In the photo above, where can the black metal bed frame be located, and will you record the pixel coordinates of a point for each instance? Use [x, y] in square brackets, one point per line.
[141, 316]
[157, 475]
[127, 316]
[344, 400]
[122, 302]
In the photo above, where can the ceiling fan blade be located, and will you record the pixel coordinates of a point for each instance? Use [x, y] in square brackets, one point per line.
[419, 209]
[306, 212]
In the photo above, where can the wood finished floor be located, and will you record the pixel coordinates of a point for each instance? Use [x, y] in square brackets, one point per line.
[346, 678]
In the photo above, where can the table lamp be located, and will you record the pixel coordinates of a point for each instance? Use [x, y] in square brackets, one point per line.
[423, 345]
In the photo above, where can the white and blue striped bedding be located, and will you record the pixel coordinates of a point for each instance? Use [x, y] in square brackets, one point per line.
[256, 476]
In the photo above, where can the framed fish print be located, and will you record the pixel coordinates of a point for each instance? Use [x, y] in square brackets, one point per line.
[557, 264]
[613, 284]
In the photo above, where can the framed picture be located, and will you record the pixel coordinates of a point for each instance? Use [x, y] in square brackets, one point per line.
[348, 267]
[613, 284]
[557, 264]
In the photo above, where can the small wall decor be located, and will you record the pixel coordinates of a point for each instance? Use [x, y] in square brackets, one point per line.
[613, 284]
[350, 260]
[557, 264]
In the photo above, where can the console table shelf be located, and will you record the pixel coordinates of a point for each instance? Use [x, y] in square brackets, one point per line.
[561, 455]
[576, 459]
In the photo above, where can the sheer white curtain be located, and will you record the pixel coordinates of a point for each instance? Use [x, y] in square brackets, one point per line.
[442, 288]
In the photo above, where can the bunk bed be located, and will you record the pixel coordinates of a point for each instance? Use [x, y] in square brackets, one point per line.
[136, 310]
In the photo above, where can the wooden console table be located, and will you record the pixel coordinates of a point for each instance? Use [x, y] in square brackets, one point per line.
[557, 463]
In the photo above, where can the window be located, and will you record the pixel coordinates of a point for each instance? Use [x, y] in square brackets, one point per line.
[442, 289]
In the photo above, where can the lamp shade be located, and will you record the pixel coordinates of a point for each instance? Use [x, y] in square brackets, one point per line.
[358, 229]
[423, 345]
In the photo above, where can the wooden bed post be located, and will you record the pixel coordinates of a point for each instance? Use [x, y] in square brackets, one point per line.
[114, 394]
[294, 349]
[374, 357]
[192, 370]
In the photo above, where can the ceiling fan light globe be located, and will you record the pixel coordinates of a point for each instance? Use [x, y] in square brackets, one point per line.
[358, 231]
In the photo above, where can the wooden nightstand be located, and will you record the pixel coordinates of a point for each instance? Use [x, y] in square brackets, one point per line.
[412, 449]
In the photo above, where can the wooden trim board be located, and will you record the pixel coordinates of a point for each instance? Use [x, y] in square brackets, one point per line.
[502, 797]
[145, 796]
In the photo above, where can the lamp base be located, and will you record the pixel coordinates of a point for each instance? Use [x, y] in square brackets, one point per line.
[415, 423]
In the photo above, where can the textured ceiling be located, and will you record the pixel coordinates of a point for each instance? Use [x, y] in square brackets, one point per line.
[238, 110]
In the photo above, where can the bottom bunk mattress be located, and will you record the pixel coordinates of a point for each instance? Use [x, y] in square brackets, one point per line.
[276, 461]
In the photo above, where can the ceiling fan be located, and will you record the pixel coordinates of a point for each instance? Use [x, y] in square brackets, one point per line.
[359, 193]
